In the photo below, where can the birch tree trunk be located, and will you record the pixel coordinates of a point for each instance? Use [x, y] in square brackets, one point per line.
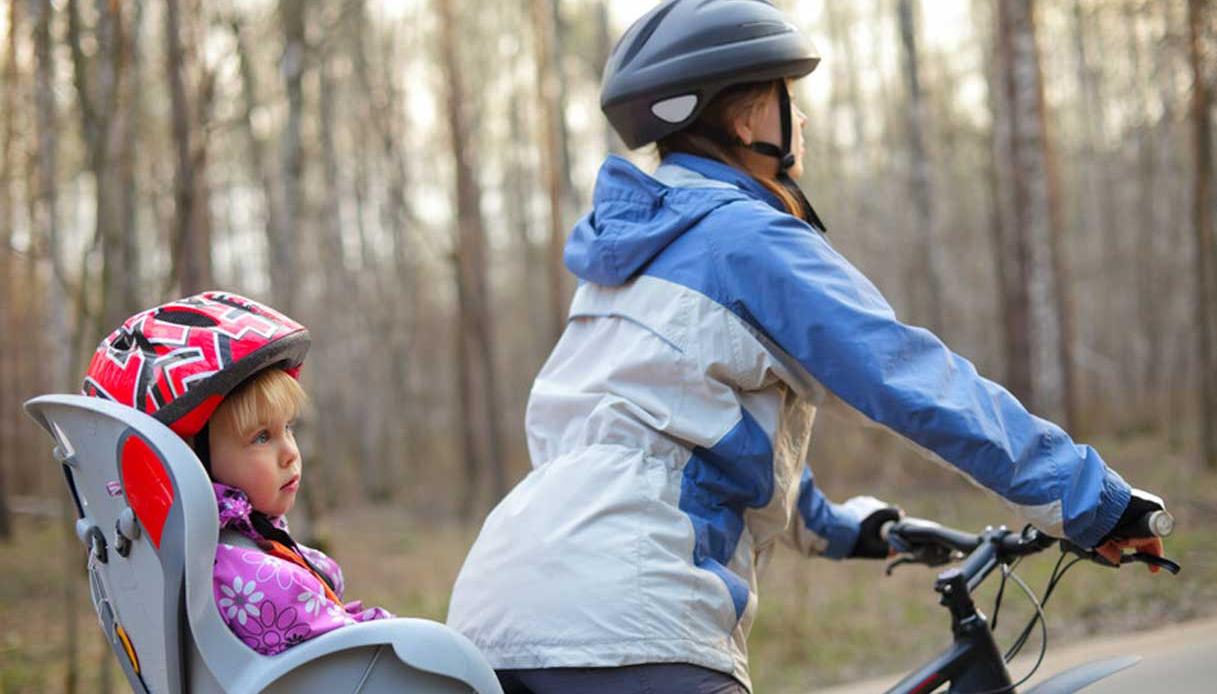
[604, 46]
[99, 83]
[479, 392]
[393, 316]
[128, 292]
[549, 106]
[930, 308]
[46, 223]
[9, 366]
[283, 257]
[191, 253]
[1202, 224]
[1037, 308]
[255, 150]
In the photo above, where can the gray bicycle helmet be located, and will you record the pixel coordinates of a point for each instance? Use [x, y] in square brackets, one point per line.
[675, 59]
[680, 55]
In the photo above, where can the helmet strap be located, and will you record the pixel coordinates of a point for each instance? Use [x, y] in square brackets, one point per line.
[783, 154]
[202, 446]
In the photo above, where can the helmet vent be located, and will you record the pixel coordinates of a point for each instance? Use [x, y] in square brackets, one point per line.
[188, 318]
[676, 109]
[644, 34]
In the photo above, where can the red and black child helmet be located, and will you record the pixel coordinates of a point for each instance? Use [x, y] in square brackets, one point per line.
[179, 360]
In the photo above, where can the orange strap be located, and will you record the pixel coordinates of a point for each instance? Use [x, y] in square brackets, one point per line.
[282, 551]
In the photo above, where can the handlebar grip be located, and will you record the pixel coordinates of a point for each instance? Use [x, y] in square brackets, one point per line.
[1155, 524]
[886, 529]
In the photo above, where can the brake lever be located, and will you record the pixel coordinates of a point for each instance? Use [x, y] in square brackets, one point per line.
[1131, 558]
[930, 555]
[892, 566]
[1067, 546]
[1152, 560]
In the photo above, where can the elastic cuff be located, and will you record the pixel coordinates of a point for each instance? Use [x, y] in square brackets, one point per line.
[1113, 499]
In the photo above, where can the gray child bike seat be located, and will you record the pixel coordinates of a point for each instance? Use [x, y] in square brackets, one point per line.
[147, 514]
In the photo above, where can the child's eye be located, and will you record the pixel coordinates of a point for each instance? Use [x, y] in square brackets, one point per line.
[262, 437]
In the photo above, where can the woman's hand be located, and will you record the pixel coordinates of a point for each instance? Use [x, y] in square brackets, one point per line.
[1130, 532]
[1112, 549]
[871, 544]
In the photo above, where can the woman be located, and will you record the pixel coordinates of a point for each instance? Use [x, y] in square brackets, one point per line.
[669, 427]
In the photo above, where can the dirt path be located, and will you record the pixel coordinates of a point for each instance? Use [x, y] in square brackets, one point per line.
[1181, 659]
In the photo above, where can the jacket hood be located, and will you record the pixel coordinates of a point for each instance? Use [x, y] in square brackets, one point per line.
[634, 216]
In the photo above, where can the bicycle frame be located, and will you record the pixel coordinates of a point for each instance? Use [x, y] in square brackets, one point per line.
[973, 662]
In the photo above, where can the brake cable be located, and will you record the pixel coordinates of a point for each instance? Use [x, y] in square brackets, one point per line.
[1043, 622]
[1057, 574]
[1006, 570]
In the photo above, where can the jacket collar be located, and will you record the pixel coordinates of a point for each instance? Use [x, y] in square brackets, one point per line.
[234, 510]
[718, 171]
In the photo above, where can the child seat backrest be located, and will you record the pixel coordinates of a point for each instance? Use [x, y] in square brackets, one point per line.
[148, 525]
[147, 514]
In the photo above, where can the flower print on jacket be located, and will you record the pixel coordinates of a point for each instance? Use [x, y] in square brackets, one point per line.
[240, 600]
[269, 603]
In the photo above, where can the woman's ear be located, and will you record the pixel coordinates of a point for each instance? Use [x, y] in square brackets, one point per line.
[742, 129]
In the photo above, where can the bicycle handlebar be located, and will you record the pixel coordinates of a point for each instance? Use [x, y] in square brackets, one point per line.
[933, 544]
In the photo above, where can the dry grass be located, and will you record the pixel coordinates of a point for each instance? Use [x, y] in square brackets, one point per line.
[820, 621]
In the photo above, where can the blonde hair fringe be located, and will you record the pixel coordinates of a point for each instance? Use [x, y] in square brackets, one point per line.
[269, 395]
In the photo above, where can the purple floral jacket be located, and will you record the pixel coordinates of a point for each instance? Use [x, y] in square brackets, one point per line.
[269, 603]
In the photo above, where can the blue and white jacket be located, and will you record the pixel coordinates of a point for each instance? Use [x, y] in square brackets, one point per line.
[669, 427]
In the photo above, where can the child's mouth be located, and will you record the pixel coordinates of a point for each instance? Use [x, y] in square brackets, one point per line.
[292, 485]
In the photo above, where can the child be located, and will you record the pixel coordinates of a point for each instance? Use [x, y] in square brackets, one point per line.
[221, 371]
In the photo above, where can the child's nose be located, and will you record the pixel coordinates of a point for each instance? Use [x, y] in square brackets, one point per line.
[288, 454]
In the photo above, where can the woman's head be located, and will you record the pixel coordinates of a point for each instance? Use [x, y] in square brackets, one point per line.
[251, 442]
[695, 73]
[673, 62]
[736, 119]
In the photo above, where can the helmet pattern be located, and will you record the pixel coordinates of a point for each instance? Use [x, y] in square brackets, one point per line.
[177, 361]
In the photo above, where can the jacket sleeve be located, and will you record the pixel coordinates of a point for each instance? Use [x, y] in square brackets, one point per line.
[787, 282]
[825, 528]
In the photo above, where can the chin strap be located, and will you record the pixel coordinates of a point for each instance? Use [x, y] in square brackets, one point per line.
[785, 159]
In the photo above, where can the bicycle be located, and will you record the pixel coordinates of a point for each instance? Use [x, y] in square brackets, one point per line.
[973, 664]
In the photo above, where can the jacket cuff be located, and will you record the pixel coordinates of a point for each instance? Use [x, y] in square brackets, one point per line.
[842, 533]
[1113, 499]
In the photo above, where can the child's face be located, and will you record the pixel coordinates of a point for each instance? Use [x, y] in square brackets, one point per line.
[263, 462]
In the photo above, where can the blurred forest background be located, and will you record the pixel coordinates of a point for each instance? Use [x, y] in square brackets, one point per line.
[1031, 180]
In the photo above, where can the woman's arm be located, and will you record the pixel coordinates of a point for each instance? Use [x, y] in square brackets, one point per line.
[786, 281]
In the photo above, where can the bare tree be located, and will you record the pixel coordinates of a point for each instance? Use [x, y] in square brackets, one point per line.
[8, 220]
[99, 81]
[1037, 322]
[476, 373]
[191, 236]
[255, 149]
[46, 220]
[549, 96]
[283, 258]
[1202, 222]
[930, 269]
[128, 292]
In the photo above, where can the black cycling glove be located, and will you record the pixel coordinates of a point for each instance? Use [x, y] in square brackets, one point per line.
[870, 544]
[1129, 526]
